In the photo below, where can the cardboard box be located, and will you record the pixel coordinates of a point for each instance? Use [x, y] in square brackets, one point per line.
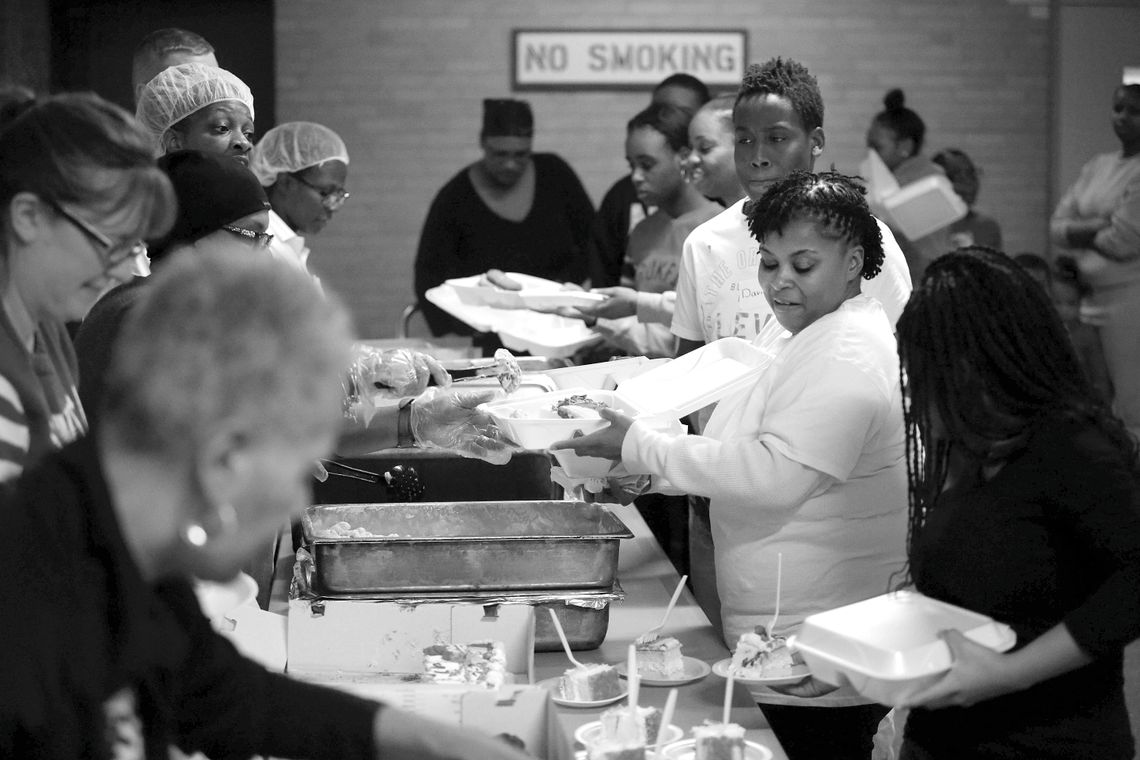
[372, 648]
[362, 636]
[525, 713]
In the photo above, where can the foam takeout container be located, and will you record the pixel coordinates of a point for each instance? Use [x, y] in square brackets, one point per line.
[603, 376]
[661, 395]
[888, 647]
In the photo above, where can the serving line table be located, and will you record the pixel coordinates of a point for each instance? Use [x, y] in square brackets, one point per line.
[648, 579]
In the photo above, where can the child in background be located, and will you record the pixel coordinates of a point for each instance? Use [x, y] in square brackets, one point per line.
[974, 228]
[1067, 290]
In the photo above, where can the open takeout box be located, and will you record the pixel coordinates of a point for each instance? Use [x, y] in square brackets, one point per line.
[888, 647]
[519, 329]
[661, 395]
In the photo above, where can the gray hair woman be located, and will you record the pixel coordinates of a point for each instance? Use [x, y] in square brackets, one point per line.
[222, 392]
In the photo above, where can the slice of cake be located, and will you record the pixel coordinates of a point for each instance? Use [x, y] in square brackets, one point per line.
[718, 741]
[620, 724]
[481, 662]
[660, 658]
[590, 683]
[759, 655]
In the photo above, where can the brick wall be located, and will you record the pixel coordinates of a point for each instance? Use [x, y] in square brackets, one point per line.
[402, 81]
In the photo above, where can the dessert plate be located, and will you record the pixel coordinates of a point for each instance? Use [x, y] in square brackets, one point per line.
[551, 685]
[799, 673]
[686, 750]
[695, 670]
[587, 733]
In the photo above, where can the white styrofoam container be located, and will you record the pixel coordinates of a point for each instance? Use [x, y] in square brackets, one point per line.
[603, 376]
[546, 334]
[473, 291]
[887, 647]
[924, 206]
[663, 395]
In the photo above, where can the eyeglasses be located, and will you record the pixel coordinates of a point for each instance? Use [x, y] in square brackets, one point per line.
[260, 239]
[330, 199]
[112, 254]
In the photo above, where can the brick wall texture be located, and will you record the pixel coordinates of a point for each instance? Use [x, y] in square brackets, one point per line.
[402, 81]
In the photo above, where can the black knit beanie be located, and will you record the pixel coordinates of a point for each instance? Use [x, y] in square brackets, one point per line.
[212, 191]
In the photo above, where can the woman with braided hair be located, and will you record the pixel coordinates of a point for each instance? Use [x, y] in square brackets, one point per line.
[1024, 506]
[808, 463]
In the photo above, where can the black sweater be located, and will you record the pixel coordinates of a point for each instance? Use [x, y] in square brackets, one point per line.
[1053, 537]
[85, 631]
[463, 237]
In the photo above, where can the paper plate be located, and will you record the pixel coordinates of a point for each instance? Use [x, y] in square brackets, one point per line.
[695, 670]
[588, 732]
[551, 685]
[799, 673]
[686, 750]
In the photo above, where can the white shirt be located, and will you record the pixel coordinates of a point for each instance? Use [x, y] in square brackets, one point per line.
[288, 246]
[808, 463]
[718, 291]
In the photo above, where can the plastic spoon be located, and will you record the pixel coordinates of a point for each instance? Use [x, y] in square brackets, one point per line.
[653, 632]
[776, 613]
[666, 721]
[565, 643]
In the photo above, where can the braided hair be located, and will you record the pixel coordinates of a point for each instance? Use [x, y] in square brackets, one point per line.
[832, 200]
[984, 355]
[790, 80]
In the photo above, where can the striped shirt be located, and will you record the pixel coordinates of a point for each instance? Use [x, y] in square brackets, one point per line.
[39, 402]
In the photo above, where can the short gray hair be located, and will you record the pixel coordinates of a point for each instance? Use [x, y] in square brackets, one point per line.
[225, 336]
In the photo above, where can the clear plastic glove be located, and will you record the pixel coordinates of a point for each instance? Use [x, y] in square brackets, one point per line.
[397, 372]
[445, 419]
[620, 302]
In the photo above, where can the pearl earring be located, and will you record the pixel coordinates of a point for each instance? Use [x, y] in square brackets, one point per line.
[196, 535]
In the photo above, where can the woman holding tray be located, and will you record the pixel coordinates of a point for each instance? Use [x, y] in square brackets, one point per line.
[1024, 507]
[809, 461]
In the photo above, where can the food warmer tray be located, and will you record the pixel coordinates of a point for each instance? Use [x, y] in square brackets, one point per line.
[454, 546]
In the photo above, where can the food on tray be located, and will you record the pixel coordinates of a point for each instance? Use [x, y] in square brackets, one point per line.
[507, 370]
[590, 683]
[579, 406]
[759, 655]
[660, 657]
[344, 530]
[719, 741]
[634, 729]
[480, 662]
[499, 279]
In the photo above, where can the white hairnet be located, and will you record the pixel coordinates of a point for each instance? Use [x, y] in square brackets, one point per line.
[294, 146]
[180, 90]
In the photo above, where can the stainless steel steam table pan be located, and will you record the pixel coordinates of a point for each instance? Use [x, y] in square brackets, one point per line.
[452, 546]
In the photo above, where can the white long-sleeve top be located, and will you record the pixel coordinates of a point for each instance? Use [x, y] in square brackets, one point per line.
[808, 463]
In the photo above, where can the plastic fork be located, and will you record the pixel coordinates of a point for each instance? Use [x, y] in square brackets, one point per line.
[655, 631]
[565, 643]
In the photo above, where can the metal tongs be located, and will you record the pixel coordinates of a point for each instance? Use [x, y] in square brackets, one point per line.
[504, 367]
[403, 481]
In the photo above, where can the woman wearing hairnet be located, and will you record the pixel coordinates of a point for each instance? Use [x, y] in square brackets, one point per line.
[303, 167]
[199, 107]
